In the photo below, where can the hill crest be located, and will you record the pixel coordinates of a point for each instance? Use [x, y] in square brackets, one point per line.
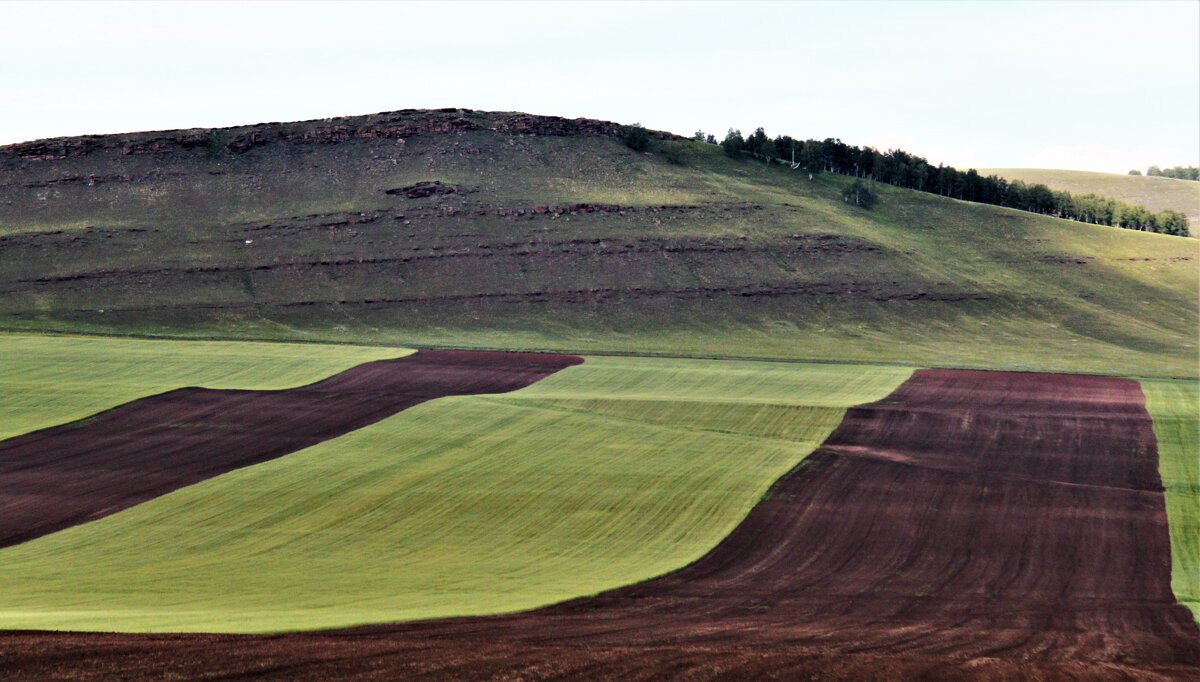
[392, 125]
[510, 231]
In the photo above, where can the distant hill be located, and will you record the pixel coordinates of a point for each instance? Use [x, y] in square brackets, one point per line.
[506, 230]
[1154, 193]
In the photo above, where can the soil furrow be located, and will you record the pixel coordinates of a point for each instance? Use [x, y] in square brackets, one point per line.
[78, 472]
[855, 567]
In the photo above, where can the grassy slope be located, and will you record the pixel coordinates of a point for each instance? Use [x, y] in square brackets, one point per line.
[1154, 193]
[49, 380]
[602, 475]
[1175, 407]
[947, 284]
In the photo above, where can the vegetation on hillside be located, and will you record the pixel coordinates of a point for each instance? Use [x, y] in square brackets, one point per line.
[1177, 172]
[902, 169]
[512, 231]
[1154, 193]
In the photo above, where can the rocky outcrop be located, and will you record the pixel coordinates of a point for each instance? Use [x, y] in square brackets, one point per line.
[397, 125]
[526, 124]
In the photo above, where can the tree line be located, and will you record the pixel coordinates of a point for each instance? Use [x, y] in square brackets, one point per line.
[902, 169]
[1177, 172]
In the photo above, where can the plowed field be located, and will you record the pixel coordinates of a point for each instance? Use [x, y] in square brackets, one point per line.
[78, 472]
[970, 525]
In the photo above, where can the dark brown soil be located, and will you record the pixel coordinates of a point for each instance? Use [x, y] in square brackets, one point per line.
[423, 189]
[78, 472]
[972, 525]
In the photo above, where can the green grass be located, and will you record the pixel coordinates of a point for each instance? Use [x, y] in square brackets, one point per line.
[1175, 408]
[49, 380]
[925, 280]
[604, 474]
[1154, 193]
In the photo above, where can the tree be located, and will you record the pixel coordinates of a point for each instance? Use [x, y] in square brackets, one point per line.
[1135, 172]
[214, 142]
[637, 138]
[900, 168]
[1181, 172]
[1172, 222]
[812, 158]
[760, 145]
[698, 136]
[733, 143]
[766, 149]
[786, 148]
[859, 194]
[711, 139]
[866, 162]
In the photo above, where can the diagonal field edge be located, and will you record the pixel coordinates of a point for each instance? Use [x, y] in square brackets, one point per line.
[78, 472]
[988, 526]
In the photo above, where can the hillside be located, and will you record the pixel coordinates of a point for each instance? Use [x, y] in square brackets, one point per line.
[1154, 193]
[474, 229]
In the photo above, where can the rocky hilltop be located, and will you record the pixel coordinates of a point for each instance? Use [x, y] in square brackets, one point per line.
[393, 125]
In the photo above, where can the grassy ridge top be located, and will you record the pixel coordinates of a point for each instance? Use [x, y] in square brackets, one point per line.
[604, 474]
[1152, 192]
[551, 234]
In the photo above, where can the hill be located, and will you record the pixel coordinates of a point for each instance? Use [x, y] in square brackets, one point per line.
[1154, 193]
[473, 229]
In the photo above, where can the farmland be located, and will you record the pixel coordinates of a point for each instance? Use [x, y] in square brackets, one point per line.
[1175, 407]
[81, 471]
[604, 474]
[902, 539]
[49, 380]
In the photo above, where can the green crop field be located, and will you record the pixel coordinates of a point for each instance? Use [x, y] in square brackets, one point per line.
[601, 475]
[713, 257]
[1175, 408]
[1155, 193]
[49, 380]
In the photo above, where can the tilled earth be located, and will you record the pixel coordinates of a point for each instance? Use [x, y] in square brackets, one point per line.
[972, 525]
[78, 472]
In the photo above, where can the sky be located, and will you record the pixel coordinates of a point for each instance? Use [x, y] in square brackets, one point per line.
[1104, 86]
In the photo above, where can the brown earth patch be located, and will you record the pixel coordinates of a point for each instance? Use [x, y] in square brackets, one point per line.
[971, 526]
[423, 189]
[78, 472]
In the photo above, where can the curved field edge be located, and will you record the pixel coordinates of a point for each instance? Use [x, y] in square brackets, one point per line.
[51, 380]
[75, 473]
[605, 474]
[1174, 407]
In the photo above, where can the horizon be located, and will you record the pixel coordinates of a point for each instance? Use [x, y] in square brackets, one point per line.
[917, 76]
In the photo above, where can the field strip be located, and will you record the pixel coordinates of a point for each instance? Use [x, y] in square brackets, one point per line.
[78, 472]
[50, 380]
[465, 505]
[1175, 408]
[849, 566]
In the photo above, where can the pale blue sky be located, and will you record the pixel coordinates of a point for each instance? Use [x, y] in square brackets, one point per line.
[1093, 85]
